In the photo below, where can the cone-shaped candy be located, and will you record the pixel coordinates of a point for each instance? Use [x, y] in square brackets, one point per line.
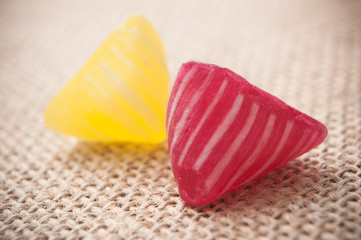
[121, 92]
[223, 131]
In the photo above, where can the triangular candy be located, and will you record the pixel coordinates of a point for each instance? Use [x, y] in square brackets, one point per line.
[223, 131]
[121, 92]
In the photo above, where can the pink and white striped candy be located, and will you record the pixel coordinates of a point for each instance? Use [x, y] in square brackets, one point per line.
[223, 131]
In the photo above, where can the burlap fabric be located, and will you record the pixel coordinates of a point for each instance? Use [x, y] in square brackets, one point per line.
[308, 53]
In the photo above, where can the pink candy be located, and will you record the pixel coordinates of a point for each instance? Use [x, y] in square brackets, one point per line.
[223, 132]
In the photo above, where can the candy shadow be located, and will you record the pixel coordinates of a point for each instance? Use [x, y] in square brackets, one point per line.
[283, 188]
[135, 172]
[127, 170]
[136, 152]
[125, 157]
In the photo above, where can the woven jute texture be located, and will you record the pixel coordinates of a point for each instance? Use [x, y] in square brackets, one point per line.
[308, 53]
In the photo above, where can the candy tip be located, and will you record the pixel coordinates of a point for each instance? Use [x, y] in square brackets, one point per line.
[191, 185]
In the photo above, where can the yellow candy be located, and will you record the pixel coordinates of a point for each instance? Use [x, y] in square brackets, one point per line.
[121, 92]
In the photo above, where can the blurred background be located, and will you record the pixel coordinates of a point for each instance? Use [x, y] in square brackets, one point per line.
[270, 43]
[306, 52]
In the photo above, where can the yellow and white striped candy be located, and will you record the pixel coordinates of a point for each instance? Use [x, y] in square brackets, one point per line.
[121, 92]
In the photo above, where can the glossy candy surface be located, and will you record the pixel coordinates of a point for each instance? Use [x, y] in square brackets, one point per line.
[223, 131]
[121, 92]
